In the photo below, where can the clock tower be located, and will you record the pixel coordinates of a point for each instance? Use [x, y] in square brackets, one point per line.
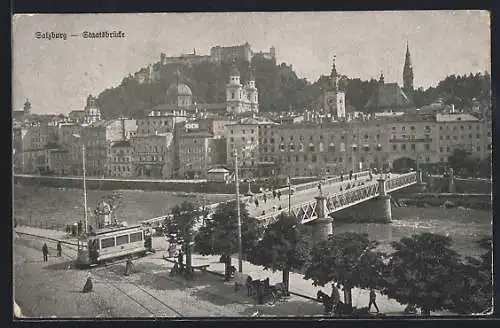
[334, 97]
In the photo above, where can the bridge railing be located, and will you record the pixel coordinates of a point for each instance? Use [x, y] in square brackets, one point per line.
[401, 181]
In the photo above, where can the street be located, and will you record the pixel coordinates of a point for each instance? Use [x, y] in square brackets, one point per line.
[54, 289]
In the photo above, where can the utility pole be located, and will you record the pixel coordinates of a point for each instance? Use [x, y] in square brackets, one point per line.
[289, 196]
[84, 188]
[240, 248]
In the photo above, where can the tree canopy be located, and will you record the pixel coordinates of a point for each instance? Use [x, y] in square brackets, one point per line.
[423, 271]
[219, 235]
[348, 259]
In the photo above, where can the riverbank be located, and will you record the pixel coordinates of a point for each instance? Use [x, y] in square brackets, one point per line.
[180, 186]
[448, 200]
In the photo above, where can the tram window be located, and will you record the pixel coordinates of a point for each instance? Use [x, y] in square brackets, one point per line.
[120, 240]
[108, 242]
[137, 236]
[94, 244]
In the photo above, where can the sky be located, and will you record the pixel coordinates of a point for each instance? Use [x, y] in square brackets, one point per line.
[57, 75]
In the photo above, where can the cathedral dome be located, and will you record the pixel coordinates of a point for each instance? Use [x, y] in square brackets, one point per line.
[179, 90]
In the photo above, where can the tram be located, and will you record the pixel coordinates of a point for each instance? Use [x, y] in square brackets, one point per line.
[112, 243]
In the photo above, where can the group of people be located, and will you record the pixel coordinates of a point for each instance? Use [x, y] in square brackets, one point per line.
[77, 228]
[45, 251]
[333, 304]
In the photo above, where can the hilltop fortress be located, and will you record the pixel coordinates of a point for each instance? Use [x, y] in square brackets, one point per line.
[217, 55]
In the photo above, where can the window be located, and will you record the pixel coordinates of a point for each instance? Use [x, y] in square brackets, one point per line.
[412, 146]
[120, 240]
[412, 128]
[136, 236]
[291, 138]
[296, 158]
[427, 146]
[403, 146]
[314, 158]
[305, 158]
[301, 147]
[403, 128]
[292, 147]
[108, 242]
[394, 147]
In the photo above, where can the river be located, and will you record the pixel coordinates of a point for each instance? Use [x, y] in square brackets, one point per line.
[464, 226]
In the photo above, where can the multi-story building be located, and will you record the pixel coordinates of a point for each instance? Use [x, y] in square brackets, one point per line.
[242, 139]
[198, 152]
[159, 122]
[330, 148]
[463, 131]
[119, 159]
[413, 139]
[153, 155]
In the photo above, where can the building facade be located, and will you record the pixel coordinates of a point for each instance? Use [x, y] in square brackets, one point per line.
[153, 156]
[119, 159]
[330, 148]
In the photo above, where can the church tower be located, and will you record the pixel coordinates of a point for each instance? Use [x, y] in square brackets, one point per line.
[234, 90]
[408, 74]
[334, 97]
[253, 93]
[27, 108]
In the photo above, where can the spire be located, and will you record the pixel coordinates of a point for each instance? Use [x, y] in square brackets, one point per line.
[333, 75]
[407, 57]
[408, 73]
[381, 79]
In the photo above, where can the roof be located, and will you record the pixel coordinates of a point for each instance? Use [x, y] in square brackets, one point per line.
[219, 170]
[121, 143]
[453, 117]
[179, 89]
[388, 95]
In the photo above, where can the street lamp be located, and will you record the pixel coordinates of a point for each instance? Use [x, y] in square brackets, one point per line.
[84, 182]
[240, 247]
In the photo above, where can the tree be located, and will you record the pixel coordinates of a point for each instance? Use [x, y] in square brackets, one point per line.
[422, 271]
[348, 259]
[473, 284]
[184, 219]
[219, 235]
[281, 247]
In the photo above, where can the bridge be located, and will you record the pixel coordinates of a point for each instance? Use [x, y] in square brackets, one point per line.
[316, 206]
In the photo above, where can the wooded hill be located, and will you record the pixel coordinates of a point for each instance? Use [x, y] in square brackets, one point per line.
[280, 89]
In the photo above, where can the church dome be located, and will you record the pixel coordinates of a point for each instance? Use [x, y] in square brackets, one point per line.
[179, 90]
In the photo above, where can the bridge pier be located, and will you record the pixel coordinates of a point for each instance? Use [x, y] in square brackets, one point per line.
[322, 226]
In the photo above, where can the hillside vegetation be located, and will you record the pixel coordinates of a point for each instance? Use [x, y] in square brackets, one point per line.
[280, 89]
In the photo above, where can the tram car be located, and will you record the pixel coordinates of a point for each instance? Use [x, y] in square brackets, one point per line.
[112, 243]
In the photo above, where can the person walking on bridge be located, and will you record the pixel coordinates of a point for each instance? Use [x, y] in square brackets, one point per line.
[45, 251]
[59, 249]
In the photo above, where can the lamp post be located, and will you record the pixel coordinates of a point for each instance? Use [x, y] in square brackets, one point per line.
[84, 182]
[289, 196]
[240, 248]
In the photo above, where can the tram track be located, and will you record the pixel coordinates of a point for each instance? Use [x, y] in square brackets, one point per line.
[71, 252]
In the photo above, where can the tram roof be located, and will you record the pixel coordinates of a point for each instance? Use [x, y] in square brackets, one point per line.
[113, 229]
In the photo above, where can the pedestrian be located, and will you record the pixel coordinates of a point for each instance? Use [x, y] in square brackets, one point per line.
[341, 177]
[265, 198]
[340, 188]
[373, 298]
[15, 223]
[256, 202]
[79, 229]
[128, 266]
[335, 296]
[350, 175]
[59, 249]
[89, 286]
[274, 193]
[371, 176]
[45, 251]
[279, 195]
[263, 212]
[319, 187]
